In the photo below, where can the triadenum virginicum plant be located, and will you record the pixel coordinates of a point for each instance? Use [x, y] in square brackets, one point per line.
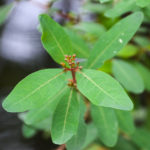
[62, 96]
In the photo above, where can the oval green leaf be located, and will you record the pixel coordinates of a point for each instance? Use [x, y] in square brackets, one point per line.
[54, 39]
[66, 117]
[102, 90]
[114, 40]
[34, 90]
[106, 122]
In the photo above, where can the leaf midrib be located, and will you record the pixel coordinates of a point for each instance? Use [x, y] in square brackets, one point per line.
[57, 43]
[66, 114]
[97, 85]
[107, 47]
[45, 83]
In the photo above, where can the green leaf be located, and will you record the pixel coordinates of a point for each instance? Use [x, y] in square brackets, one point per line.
[54, 39]
[145, 74]
[125, 120]
[114, 40]
[77, 141]
[66, 117]
[34, 90]
[102, 90]
[124, 144]
[78, 44]
[104, 1]
[4, 11]
[128, 76]
[121, 8]
[28, 131]
[46, 110]
[141, 138]
[142, 41]
[91, 28]
[143, 3]
[91, 134]
[106, 122]
[128, 51]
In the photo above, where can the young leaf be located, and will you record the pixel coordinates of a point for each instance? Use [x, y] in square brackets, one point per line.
[145, 74]
[142, 3]
[46, 110]
[54, 39]
[125, 120]
[77, 141]
[102, 90]
[106, 122]
[121, 8]
[34, 90]
[82, 50]
[114, 40]
[66, 117]
[128, 76]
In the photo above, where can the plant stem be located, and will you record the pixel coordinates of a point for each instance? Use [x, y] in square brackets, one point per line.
[74, 76]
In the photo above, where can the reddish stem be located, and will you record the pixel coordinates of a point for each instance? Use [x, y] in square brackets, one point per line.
[73, 76]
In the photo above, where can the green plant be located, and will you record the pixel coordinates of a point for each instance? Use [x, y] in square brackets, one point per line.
[56, 104]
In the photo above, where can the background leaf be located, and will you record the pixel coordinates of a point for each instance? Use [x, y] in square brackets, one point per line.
[28, 132]
[141, 138]
[128, 51]
[143, 3]
[128, 76]
[103, 1]
[78, 44]
[106, 122]
[120, 8]
[114, 40]
[102, 90]
[125, 120]
[145, 74]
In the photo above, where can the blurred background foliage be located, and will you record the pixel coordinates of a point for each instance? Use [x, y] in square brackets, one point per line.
[84, 21]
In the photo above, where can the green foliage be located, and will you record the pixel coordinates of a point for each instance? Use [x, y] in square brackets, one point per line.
[103, 90]
[143, 3]
[120, 8]
[106, 122]
[125, 120]
[33, 91]
[128, 76]
[103, 1]
[114, 40]
[76, 106]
